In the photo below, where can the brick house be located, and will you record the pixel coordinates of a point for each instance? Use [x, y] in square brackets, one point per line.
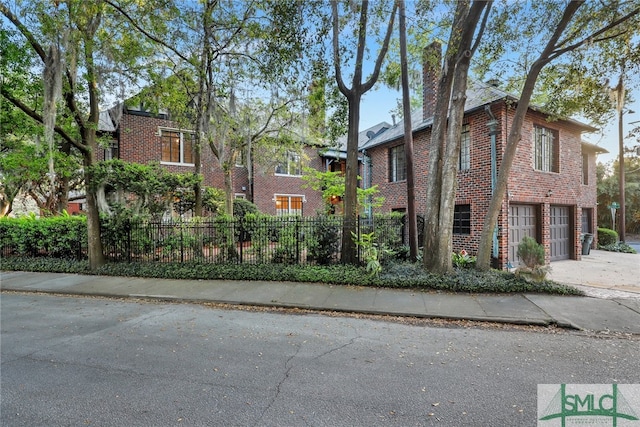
[276, 188]
[551, 192]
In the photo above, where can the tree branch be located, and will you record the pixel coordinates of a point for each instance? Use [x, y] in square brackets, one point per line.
[38, 118]
[336, 49]
[146, 33]
[24, 30]
[594, 36]
[383, 51]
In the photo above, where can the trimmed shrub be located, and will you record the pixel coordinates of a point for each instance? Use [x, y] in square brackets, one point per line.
[324, 243]
[242, 207]
[531, 252]
[607, 237]
[61, 236]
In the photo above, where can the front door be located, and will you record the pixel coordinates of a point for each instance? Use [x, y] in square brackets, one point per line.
[559, 233]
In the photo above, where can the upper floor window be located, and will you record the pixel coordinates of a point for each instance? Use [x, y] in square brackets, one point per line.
[177, 147]
[241, 158]
[111, 151]
[462, 219]
[465, 149]
[397, 164]
[585, 168]
[290, 165]
[546, 150]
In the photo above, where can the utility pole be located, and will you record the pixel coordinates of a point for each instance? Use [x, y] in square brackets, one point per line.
[619, 94]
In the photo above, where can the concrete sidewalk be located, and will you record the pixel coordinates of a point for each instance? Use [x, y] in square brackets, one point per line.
[584, 313]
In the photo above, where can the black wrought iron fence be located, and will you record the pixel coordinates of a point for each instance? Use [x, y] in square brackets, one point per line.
[254, 240]
[290, 240]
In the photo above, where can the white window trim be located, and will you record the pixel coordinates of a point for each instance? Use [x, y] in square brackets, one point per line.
[289, 154]
[463, 152]
[547, 151]
[276, 195]
[182, 132]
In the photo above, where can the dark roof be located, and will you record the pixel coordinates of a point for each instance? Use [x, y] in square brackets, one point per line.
[105, 122]
[479, 94]
[364, 136]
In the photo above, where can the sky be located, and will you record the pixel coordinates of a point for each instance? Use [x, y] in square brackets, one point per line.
[377, 105]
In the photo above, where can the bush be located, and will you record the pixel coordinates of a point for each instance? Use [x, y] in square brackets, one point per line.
[532, 255]
[607, 237]
[463, 259]
[531, 252]
[61, 236]
[324, 243]
[619, 247]
[242, 207]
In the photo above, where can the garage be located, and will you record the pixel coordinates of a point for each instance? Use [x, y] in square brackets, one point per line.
[522, 222]
[559, 233]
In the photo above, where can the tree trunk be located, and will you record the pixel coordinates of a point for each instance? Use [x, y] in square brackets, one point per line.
[486, 238]
[228, 190]
[445, 138]
[408, 139]
[431, 255]
[349, 254]
[94, 242]
[491, 219]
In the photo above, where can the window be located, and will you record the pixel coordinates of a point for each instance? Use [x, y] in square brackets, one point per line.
[462, 219]
[546, 150]
[338, 166]
[111, 152]
[586, 220]
[397, 165]
[288, 205]
[240, 158]
[177, 147]
[585, 168]
[465, 149]
[291, 165]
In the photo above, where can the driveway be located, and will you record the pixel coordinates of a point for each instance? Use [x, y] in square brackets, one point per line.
[601, 273]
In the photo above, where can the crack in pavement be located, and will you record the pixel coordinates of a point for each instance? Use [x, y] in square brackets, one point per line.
[288, 366]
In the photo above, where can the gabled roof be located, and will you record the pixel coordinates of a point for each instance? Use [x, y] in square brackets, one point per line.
[365, 135]
[340, 150]
[479, 94]
[105, 122]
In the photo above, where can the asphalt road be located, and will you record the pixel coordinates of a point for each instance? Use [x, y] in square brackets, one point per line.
[90, 361]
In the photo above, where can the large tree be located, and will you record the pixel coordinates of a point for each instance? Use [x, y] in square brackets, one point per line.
[358, 41]
[446, 134]
[232, 70]
[76, 44]
[573, 26]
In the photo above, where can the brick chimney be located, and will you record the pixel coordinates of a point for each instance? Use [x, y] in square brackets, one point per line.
[431, 64]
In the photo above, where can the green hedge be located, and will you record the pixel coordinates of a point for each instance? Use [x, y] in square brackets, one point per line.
[607, 236]
[61, 236]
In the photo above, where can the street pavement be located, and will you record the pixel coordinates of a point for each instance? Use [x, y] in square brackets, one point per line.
[610, 280]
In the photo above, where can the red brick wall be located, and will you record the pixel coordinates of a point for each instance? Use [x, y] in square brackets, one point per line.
[525, 184]
[267, 184]
[140, 142]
